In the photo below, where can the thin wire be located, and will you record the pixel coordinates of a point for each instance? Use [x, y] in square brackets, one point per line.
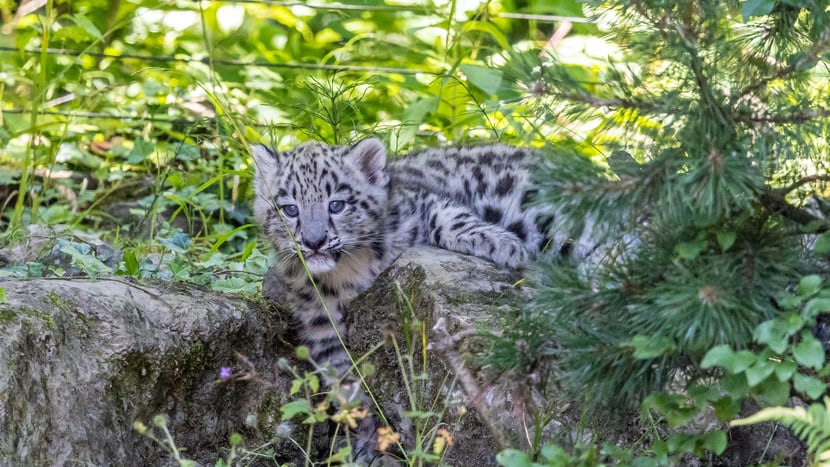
[332, 6]
[206, 60]
[411, 8]
[545, 18]
[143, 119]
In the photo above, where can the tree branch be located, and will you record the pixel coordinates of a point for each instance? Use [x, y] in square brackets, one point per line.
[804, 181]
[775, 203]
[778, 119]
[807, 61]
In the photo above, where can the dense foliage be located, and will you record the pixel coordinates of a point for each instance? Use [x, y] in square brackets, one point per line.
[704, 215]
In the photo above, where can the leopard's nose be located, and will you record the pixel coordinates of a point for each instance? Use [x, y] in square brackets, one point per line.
[314, 243]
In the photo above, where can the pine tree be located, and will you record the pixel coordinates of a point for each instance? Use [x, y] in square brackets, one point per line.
[701, 211]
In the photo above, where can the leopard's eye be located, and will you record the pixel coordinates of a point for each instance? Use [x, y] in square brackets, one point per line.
[336, 206]
[290, 210]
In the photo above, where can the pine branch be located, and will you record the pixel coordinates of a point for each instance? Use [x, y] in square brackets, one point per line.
[619, 103]
[808, 60]
[802, 117]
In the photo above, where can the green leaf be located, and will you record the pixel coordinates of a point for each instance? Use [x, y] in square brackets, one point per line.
[773, 392]
[2, 295]
[776, 333]
[313, 382]
[809, 351]
[296, 385]
[690, 250]
[751, 8]
[808, 285]
[814, 387]
[726, 239]
[650, 347]
[88, 263]
[141, 149]
[131, 265]
[735, 385]
[486, 79]
[233, 285]
[727, 408]
[293, 408]
[489, 29]
[86, 25]
[179, 242]
[822, 246]
[784, 370]
[733, 362]
[552, 452]
[720, 355]
[816, 306]
[514, 458]
[715, 441]
[246, 252]
[759, 372]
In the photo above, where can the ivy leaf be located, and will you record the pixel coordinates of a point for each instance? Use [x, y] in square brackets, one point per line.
[784, 370]
[774, 392]
[759, 372]
[179, 242]
[775, 333]
[715, 441]
[814, 387]
[809, 351]
[733, 362]
[727, 408]
[719, 355]
[88, 263]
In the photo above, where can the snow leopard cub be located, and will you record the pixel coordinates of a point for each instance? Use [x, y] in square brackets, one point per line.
[350, 213]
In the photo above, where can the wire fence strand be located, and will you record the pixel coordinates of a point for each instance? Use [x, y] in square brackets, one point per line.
[186, 122]
[221, 61]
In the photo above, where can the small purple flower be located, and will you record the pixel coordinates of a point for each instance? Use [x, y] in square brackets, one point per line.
[224, 373]
[533, 377]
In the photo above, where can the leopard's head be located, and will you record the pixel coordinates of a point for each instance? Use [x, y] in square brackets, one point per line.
[326, 202]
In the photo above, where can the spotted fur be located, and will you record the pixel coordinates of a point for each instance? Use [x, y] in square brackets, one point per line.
[350, 214]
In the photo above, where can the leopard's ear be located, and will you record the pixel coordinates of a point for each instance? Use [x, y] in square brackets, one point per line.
[265, 168]
[265, 158]
[369, 156]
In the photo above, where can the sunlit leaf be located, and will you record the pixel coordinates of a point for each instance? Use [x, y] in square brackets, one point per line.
[486, 79]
